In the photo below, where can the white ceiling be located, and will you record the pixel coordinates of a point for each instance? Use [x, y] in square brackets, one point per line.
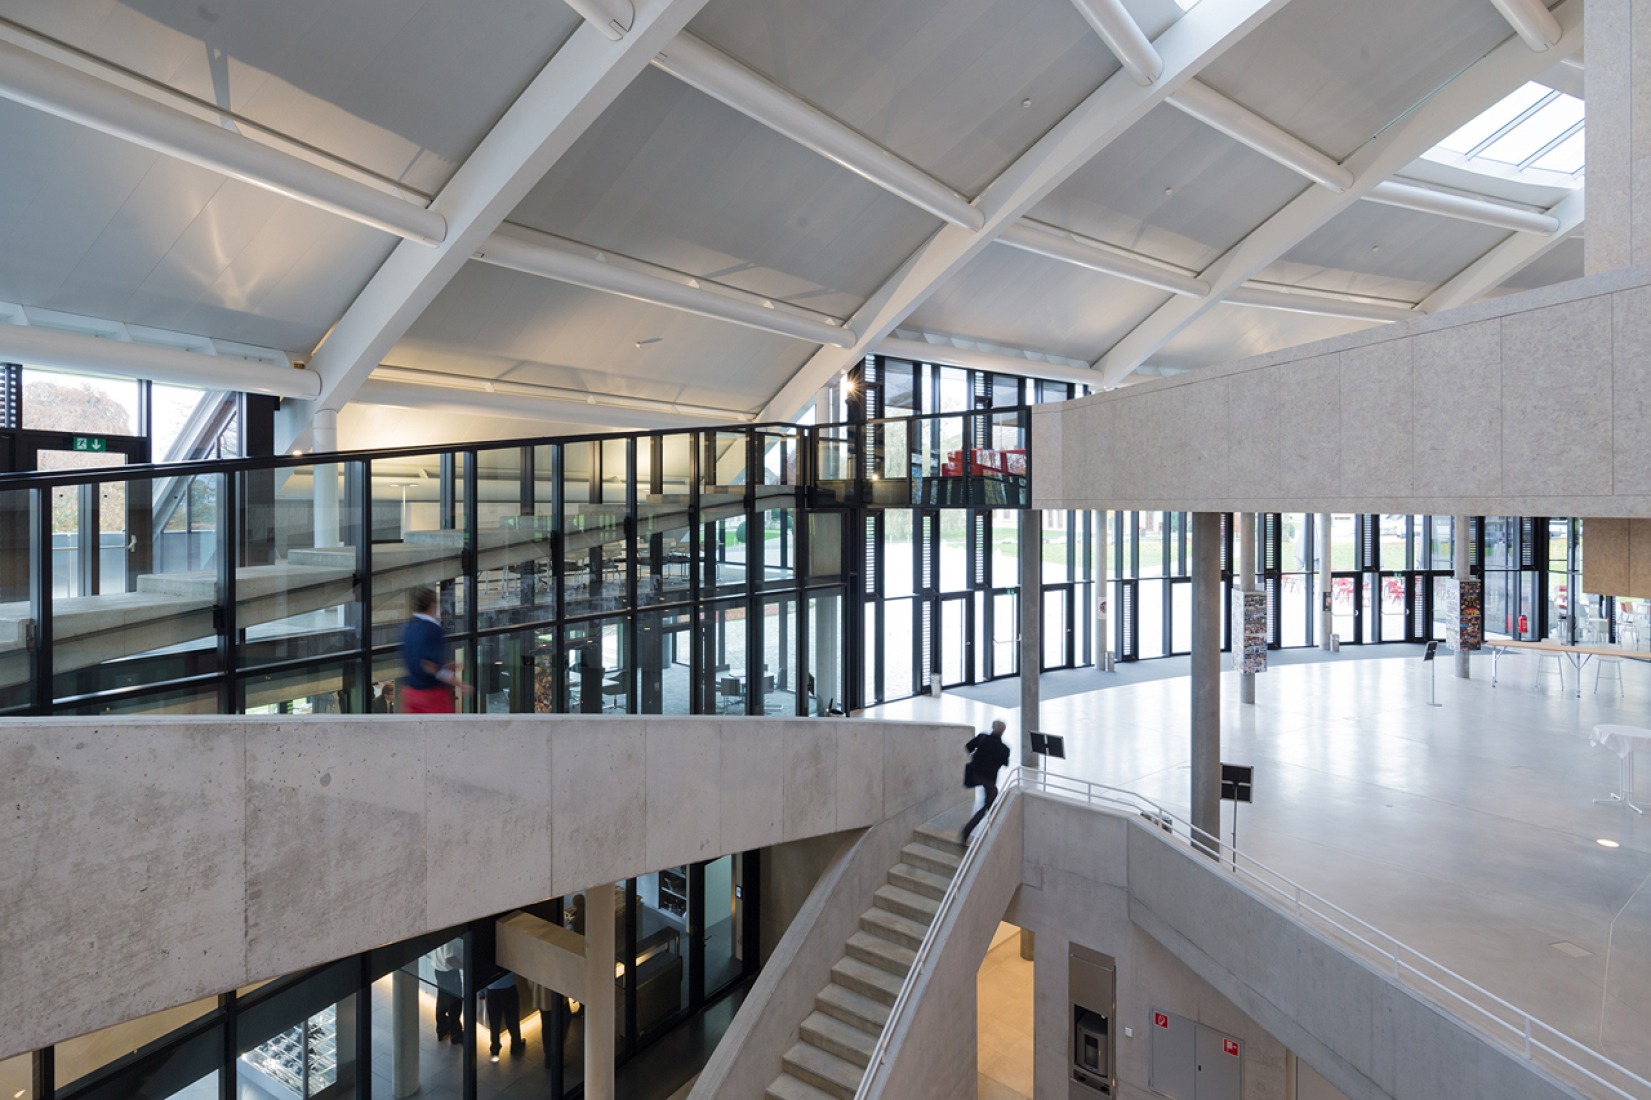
[405, 90]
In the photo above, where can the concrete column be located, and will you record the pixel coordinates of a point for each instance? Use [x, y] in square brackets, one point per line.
[1246, 584]
[1459, 552]
[1327, 620]
[1103, 619]
[324, 431]
[1031, 626]
[1206, 673]
[404, 1080]
[1618, 142]
[599, 989]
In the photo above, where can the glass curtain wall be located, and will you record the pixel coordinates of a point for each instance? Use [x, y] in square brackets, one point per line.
[942, 584]
[418, 1017]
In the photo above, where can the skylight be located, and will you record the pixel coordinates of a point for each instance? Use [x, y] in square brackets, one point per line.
[1535, 127]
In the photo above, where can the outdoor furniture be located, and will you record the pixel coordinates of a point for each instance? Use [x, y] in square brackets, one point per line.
[1622, 740]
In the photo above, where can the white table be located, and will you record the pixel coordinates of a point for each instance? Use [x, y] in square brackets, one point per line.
[1622, 740]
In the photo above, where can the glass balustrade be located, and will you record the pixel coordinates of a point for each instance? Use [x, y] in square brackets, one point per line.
[699, 571]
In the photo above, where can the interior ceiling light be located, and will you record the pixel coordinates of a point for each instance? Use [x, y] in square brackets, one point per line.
[1603, 843]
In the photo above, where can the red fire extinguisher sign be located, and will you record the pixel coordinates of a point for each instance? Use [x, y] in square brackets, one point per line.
[1230, 1046]
[1159, 1019]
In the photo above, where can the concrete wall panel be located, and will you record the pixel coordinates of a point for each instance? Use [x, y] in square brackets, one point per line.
[103, 823]
[335, 840]
[1536, 403]
[146, 866]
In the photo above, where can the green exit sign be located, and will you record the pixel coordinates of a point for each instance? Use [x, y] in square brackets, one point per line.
[91, 443]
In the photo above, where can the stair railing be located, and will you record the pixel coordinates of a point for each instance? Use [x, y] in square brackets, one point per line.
[1498, 1018]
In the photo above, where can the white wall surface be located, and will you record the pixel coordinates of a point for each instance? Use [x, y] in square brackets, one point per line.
[1537, 403]
[144, 864]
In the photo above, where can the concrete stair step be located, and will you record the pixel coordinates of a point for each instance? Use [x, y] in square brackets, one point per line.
[835, 1037]
[893, 927]
[937, 836]
[787, 1087]
[930, 858]
[919, 881]
[825, 1071]
[854, 1009]
[866, 980]
[907, 904]
[893, 957]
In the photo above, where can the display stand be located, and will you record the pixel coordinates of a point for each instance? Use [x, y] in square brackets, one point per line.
[1432, 674]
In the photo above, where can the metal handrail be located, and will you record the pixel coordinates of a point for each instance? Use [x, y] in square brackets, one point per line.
[1524, 1032]
[879, 1052]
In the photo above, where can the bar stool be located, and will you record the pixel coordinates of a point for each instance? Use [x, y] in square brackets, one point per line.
[1542, 660]
[1615, 664]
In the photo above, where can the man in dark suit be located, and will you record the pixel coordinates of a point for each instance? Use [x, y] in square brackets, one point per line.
[988, 755]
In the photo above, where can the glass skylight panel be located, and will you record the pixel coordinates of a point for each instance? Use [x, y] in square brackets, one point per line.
[1567, 156]
[1487, 124]
[1531, 135]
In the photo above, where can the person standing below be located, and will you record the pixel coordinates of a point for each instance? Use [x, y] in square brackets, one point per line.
[448, 964]
[431, 678]
[988, 755]
[504, 1013]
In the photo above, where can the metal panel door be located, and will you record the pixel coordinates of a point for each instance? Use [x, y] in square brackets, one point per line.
[1220, 1061]
[1174, 1070]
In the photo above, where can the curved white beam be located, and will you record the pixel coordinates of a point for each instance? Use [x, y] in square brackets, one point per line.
[946, 352]
[571, 262]
[567, 96]
[1532, 21]
[1473, 90]
[1248, 128]
[46, 85]
[1319, 304]
[1124, 37]
[612, 17]
[391, 385]
[76, 351]
[1464, 207]
[719, 76]
[1032, 236]
[1196, 39]
[1508, 258]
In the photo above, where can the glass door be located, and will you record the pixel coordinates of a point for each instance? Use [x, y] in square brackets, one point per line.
[955, 630]
[1347, 607]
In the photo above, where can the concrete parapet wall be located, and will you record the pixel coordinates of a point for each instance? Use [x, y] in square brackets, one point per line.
[144, 864]
[1537, 403]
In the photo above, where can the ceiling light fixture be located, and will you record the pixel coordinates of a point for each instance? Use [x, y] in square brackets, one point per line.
[1603, 843]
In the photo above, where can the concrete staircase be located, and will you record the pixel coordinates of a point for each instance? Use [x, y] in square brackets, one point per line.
[834, 1049]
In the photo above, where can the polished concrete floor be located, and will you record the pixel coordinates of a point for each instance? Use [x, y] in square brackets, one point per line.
[1468, 830]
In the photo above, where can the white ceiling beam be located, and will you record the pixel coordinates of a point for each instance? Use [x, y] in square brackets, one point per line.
[1507, 259]
[703, 66]
[614, 18]
[1193, 41]
[1532, 21]
[1470, 208]
[1059, 244]
[61, 349]
[46, 85]
[1124, 37]
[1248, 128]
[962, 354]
[1473, 90]
[551, 257]
[470, 384]
[1293, 299]
[438, 400]
[573, 89]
